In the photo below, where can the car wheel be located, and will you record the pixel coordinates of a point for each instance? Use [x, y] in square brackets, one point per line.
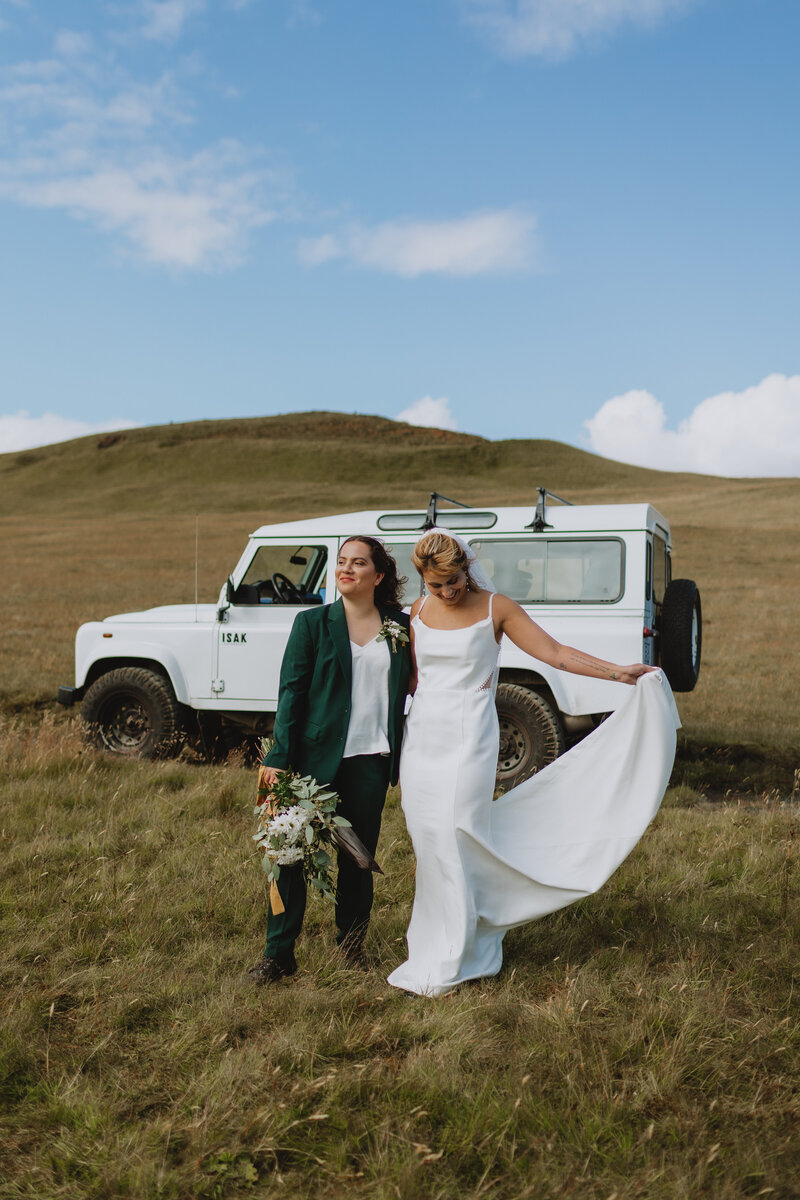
[681, 630]
[531, 734]
[133, 712]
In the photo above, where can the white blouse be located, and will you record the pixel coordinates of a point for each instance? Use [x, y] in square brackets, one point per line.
[368, 731]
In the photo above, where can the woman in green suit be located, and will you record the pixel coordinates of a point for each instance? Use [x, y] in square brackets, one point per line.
[340, 719]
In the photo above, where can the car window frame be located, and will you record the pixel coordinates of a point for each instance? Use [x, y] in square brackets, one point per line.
[546, 603]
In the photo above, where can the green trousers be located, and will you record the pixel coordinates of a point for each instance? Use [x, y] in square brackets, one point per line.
[361, 783]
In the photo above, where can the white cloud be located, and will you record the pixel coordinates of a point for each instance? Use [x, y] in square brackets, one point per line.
[557, 28]
[58, 105]
[314, 251]
[479, 244]
[21, 431]
[164, 19]
[751, 433]
[178, 213]
[301, 12]
[89, 140]
[69, 43]
[4, 24]
[298, 12]
[431, 413]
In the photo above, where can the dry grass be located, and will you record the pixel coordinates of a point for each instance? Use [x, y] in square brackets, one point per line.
[65, 570]
[642, 1043]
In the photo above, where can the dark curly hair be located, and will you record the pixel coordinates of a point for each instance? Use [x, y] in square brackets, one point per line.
[390, 589]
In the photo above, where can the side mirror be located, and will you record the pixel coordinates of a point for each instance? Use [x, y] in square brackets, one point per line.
[222, 607]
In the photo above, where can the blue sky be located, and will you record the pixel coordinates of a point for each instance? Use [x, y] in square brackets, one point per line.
[573, 219]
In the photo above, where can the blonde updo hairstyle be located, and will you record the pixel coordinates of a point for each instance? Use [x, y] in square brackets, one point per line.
[440, 553]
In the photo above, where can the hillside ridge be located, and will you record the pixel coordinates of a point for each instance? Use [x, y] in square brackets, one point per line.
[311, 461]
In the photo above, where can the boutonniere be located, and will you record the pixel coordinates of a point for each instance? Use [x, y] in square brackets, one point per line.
[393, 631]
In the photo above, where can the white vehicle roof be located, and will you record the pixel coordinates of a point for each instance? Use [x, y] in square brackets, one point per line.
[387, 523]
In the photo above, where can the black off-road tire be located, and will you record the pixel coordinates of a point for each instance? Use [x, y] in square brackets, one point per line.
[681, 629]
[132, 711]
[531, 734]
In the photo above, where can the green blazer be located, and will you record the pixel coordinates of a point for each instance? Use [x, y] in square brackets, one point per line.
[314, 698]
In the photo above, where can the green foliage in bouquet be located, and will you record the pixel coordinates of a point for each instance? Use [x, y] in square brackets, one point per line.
[297, 821]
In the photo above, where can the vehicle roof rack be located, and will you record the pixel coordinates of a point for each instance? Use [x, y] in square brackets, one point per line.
[430, 517]
[539, 524]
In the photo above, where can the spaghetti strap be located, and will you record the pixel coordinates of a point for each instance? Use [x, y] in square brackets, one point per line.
[491, 598]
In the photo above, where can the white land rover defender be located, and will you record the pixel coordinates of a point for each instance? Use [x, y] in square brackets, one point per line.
[594, 576]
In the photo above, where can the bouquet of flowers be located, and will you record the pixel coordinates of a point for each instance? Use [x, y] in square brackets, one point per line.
[298, 823]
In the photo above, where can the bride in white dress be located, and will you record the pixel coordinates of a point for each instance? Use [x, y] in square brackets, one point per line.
[483, 867]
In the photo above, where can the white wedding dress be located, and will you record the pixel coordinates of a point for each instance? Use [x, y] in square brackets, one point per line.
[483, 866]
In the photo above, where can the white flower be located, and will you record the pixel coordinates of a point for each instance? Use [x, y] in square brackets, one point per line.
[291, 822]
[288, 855]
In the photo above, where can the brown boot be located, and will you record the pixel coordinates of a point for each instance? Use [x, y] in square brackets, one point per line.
[270, 970]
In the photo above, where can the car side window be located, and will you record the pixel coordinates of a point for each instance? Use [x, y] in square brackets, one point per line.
[555, 570]
[284, 574]
[412, 588]
[660, 569]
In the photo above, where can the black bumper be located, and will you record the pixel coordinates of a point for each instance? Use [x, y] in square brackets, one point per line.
[69, 695]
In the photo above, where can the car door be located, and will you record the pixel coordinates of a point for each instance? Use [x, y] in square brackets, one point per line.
[281, 579]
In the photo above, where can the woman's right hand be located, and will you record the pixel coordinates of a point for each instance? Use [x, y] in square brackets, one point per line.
[635, 671]
[268, 776]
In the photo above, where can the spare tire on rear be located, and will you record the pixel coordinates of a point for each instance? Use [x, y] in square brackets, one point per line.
[681, 629]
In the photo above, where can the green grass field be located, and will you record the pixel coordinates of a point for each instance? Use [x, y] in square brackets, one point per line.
[643, 1043]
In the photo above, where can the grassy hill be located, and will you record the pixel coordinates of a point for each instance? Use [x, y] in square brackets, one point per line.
[105, 524]
[292, 464]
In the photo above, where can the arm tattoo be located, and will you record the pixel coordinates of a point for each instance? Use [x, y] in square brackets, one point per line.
[586, 661]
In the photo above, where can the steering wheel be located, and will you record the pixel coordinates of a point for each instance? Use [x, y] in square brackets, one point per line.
[285, 590]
